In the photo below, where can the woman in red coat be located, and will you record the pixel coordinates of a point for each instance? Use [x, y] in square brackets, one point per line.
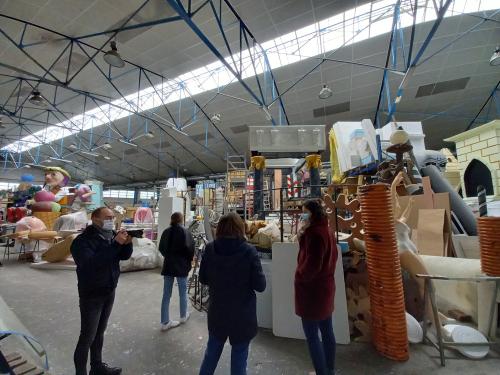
[315, 286]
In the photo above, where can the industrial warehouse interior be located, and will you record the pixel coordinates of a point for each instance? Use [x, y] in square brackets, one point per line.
[249, 187]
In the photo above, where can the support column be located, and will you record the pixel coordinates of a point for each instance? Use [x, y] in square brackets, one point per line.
[258, 165]
[136, 196]
[313, 163]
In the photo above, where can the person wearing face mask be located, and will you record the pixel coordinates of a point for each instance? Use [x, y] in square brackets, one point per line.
[97, 252]
[315, 285]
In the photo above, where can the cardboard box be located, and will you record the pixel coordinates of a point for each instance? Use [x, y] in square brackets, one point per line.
[439, 201]
[433, 232]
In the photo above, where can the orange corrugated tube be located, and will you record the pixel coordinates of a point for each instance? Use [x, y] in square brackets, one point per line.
[489, 240]
[389, 332]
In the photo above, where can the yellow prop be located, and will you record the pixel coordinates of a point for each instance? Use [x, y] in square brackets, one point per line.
[258, 162]
[313, 161]
[334, 160]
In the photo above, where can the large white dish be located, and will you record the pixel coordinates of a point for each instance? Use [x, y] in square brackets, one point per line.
[415, 331]
[464, 334]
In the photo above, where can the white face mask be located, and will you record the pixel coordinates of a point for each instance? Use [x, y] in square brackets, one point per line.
[108, 224]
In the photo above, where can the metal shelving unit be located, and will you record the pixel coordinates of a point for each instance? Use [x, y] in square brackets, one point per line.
[236, 184]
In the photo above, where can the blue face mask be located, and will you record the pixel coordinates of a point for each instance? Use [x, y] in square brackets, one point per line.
[304, 216]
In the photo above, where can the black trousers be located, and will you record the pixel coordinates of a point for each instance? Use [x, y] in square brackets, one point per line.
[94, 312]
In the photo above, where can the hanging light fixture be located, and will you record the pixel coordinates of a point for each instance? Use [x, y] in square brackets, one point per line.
[216, 118]
[37, 100]
[73, 146]
[148, 134]
[267, 114]
[90, 153]
[107, 146]
[60, 159]
[325, 92]
[495, 58]
[125, 142]
[113, 58]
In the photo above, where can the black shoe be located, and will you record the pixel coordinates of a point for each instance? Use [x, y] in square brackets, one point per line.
[104, 369]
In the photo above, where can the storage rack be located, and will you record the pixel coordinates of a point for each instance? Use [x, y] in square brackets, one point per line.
[236, 187]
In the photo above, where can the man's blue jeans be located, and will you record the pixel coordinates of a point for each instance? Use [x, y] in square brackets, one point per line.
[167, 293]
[322, 352]
[239, 356]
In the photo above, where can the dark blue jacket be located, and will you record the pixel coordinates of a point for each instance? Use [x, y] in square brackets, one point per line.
[231, 268]
[97, 262]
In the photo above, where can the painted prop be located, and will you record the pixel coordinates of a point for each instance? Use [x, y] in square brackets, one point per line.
[46, 206]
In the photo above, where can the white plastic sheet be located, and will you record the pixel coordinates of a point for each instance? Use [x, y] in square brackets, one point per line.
[145, 256]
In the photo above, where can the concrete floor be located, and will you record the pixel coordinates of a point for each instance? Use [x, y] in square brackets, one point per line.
[47, 304]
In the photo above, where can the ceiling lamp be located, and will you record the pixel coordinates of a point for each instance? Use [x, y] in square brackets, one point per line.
[107, 146]
[495, 58]
[37, 100]
[106, 157]
[73, 146]
[325, 92]
[148, 134]
[90, 153]
[60, 159]
[216, 118]
[113, 58]
[268, 115]
[125, 142]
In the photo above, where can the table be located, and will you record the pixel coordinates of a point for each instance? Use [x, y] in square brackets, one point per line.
[430, 295]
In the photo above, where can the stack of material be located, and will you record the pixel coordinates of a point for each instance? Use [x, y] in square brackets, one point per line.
[360, 317]
[384, 271]
[489, 240]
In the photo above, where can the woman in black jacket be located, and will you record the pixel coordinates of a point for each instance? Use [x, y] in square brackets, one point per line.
[177, 246]
[231, 268]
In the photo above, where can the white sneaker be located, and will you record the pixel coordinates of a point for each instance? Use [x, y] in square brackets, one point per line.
[186, 318]
[171, 324]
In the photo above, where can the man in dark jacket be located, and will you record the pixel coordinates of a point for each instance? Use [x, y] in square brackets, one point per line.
[97, 253]
[177, 246]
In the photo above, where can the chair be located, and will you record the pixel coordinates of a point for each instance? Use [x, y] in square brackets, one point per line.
[11, 240]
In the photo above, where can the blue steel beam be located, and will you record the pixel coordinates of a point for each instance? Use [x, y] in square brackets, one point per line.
[91, 59]
[412, 37]
[58, 83]
[490, 98]
[81, 43]
[90, 141]
[376, 119]
[440, 16]
[179, 8]
[457, 38]
[87, 94]
[157, 123]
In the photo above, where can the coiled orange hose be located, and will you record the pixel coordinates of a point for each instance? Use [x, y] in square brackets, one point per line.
[489, 240]
[384, 272]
